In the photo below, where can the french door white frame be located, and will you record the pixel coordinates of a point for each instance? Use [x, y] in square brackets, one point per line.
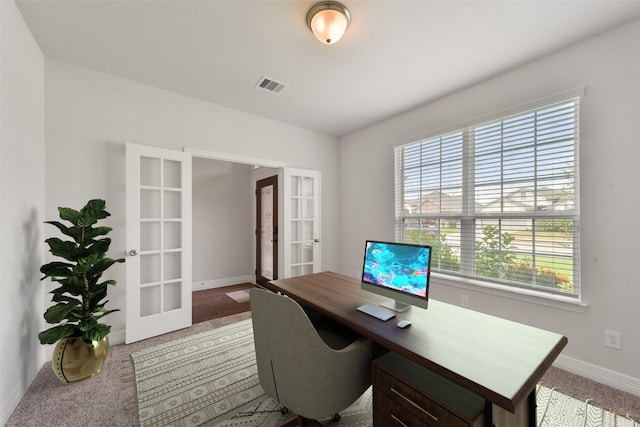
[159, 243]
[301, 216]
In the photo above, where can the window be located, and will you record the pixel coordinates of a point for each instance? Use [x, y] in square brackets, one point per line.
[497, 201]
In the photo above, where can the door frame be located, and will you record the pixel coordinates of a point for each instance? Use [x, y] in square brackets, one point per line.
[261, 183]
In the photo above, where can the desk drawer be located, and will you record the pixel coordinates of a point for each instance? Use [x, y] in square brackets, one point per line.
[395, 397]
[397, 417]
[407, 394]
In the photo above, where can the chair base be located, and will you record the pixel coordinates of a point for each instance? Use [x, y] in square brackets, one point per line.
[300, 422]
[306, 422]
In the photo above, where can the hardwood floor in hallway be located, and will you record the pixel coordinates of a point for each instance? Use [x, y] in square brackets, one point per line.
[213, 303]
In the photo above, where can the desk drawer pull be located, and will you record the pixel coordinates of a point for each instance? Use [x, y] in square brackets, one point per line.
[398, 421]
[414, 404]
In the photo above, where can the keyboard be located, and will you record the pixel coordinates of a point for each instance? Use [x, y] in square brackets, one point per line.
[377, 312]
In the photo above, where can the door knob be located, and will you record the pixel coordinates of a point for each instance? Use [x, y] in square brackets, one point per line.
[133, 252]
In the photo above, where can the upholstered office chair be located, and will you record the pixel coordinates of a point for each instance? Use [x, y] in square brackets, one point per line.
[310, 372]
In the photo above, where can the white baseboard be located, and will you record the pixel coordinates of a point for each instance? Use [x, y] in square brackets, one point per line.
[596, 373]
[116, 337]
[220, 283]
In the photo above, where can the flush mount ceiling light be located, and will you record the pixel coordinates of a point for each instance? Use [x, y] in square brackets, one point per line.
[328, 20]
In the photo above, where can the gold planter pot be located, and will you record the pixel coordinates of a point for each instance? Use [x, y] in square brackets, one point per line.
[76, 360]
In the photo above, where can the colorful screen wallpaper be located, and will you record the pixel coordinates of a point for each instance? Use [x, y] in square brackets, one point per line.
[400, 267]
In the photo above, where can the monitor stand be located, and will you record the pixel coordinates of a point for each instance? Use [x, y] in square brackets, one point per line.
[395, 305]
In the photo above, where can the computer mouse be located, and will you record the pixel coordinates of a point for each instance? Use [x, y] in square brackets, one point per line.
[403, 323]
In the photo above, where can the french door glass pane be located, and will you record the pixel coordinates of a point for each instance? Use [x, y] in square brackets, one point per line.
[172, 235]
[149, 204]
[150, 236]
[171, 266]
[150, 300]
[172, 204]
[149, 268]
[171, 174]
[149, 172]
[172, 300]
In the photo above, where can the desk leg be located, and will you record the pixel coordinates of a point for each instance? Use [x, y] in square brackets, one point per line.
[488, 414]
[533, 408]
[524, 415]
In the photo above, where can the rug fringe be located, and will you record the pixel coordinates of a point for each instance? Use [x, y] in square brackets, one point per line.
[127, 372]
[131, 405]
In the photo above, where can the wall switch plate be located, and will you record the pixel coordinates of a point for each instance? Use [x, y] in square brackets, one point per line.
[612, 339]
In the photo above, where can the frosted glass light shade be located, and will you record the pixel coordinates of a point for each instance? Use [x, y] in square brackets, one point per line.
[328, 21]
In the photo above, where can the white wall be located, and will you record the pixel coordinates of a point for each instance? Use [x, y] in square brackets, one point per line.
[90, 115]
[223, 223]
[22, 295]
[609, 66]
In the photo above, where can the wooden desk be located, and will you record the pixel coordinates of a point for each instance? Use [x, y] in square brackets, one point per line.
[497, 359]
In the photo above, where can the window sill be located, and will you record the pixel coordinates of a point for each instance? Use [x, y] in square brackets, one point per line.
[573, 304]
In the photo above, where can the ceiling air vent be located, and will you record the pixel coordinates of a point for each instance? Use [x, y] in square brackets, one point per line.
[270, 85]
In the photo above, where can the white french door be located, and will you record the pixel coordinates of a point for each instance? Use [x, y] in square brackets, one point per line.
[158, 187]
[302, 246]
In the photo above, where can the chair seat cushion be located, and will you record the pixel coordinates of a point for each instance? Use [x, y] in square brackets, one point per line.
[333, 340]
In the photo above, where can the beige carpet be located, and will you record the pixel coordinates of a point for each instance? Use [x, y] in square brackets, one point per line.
[211, 379]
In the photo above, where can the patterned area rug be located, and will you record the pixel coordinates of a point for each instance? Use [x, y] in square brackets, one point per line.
[559, 410]
[211, 379]
[195, 379]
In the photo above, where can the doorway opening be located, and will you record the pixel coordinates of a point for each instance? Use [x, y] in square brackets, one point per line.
[224, 217]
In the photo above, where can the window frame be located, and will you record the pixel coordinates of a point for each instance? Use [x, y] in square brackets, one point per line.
[468, 218]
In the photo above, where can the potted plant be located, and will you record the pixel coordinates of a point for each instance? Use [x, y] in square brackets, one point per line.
[81, 339]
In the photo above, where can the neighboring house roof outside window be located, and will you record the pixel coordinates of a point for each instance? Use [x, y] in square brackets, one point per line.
[520, 200]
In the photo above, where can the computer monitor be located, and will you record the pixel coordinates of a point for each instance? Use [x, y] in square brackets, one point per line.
[399, 271]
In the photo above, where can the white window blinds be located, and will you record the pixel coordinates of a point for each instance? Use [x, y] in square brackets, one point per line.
[498, 201]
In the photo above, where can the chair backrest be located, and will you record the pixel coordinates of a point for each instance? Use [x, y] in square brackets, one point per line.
[288, 347]
[295, 365]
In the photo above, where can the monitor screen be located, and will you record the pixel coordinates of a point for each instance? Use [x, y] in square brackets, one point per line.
[399, 271]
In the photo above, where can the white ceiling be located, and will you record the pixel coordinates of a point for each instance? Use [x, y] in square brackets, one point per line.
[395, 56]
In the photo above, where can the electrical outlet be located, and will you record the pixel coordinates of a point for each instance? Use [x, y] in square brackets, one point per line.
[612, 339]
[464, 301]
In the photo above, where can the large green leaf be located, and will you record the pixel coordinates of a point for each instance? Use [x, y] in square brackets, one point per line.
[58, 297]
[57, 269]
[61, 311]
[55, 334]
[92, 212]
[73, 232]
[86, 263]
[63, 249]
[69, 214]
[102, 265]
[97, 204]
[72, 285]
[97, 231]
[101, 245]
[97, 332]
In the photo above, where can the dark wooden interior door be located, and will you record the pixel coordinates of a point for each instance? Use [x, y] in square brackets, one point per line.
[266, 230]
